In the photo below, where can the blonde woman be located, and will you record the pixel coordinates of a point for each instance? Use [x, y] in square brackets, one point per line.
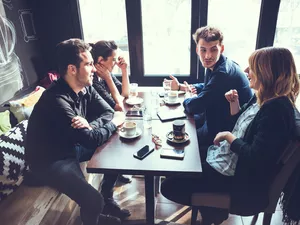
[272, 74]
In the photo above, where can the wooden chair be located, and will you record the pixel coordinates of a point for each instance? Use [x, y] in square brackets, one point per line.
[289, 159]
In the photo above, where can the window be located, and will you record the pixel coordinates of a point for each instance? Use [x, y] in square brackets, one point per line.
[238, 20]
[166, 37]
[288, 28]
[106, 20]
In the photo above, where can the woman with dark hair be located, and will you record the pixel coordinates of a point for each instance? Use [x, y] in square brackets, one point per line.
[107, 85]
[244, 162]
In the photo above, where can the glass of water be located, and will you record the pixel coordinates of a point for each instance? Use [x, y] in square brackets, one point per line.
[133, 90]
[147, 119]
[167, 87]
[154, 100]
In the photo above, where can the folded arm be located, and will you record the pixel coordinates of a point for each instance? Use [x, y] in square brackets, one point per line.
[101, 127]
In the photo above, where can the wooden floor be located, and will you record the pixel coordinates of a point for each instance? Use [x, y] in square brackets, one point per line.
[131, 196]
[52, 208]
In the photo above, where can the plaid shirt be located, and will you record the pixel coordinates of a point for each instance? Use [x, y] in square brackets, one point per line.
[221, 158]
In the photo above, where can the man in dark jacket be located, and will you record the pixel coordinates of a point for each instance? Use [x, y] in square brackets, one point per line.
[222, 75]
[66, 126]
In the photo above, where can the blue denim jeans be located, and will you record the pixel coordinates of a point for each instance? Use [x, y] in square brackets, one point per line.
[66, 177]
[108, 181]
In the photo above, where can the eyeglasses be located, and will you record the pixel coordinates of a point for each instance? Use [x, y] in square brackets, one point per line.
[157, 141]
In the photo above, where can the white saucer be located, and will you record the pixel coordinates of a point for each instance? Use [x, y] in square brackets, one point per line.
[134, 101]
[171, 103]
[181, 92]
[170, 137]
[137, 134]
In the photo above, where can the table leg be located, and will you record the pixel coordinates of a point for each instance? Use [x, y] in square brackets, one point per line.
[150, 199]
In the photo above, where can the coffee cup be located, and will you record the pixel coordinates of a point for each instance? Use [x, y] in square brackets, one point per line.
[129, 128]
[172, 96]
[179, 129]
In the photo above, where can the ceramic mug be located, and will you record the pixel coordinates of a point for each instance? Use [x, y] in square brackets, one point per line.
[179, 129]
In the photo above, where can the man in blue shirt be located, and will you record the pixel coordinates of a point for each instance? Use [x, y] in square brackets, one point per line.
[222, 75]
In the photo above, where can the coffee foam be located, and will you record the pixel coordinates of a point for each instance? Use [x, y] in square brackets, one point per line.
[130, 124]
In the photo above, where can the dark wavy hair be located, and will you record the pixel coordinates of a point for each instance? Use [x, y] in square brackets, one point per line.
[68, 53]
[102, 48]
[208, 34]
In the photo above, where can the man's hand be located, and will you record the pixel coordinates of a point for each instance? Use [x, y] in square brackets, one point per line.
[190, 88]
[102, 71]
[119, 118]
[232, 96]
[79, 122]
[174, 83]
[193, 89]
[121, 63]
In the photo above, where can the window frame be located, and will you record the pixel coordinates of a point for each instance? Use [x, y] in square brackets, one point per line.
[199, 9]
[135, 43]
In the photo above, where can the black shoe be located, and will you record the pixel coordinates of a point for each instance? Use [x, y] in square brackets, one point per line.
[108, 220]
[124, 180]
[112, 208]
[213, 215]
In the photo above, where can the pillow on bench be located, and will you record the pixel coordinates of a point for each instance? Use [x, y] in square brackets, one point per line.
[22, 108]
[12, 159]
[4, 122]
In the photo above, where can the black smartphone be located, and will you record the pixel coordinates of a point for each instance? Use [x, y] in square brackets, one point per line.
[143, 152]
[172, 153]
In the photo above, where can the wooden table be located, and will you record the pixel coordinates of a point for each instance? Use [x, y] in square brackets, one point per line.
[116, 156]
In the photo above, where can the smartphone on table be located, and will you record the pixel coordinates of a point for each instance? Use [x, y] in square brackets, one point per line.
[143, 152]
[172, 153]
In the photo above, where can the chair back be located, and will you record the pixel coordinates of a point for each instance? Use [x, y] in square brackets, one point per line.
[289, 161]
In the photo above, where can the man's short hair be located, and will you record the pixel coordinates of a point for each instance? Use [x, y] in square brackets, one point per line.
[68, 52]
[208, 34]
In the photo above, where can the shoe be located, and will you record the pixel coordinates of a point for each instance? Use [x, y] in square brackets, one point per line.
[213, 215]
[112, 208]
[124, 179]
[108, 220]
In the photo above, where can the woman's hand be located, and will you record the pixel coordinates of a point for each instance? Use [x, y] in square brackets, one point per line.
[119, 118]
[102, 71]
[119, 107]
[79, 122]
[121, 63]
[225, 135]
[232, 96]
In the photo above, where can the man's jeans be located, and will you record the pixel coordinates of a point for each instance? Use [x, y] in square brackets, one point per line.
[67, 177]
[108, 181]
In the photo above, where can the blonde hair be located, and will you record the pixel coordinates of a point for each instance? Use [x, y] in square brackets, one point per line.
[275, 70]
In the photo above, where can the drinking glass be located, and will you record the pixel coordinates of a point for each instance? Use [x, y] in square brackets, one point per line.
[147, 119]
[154, 100]
[167, 87]
[133, 90]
